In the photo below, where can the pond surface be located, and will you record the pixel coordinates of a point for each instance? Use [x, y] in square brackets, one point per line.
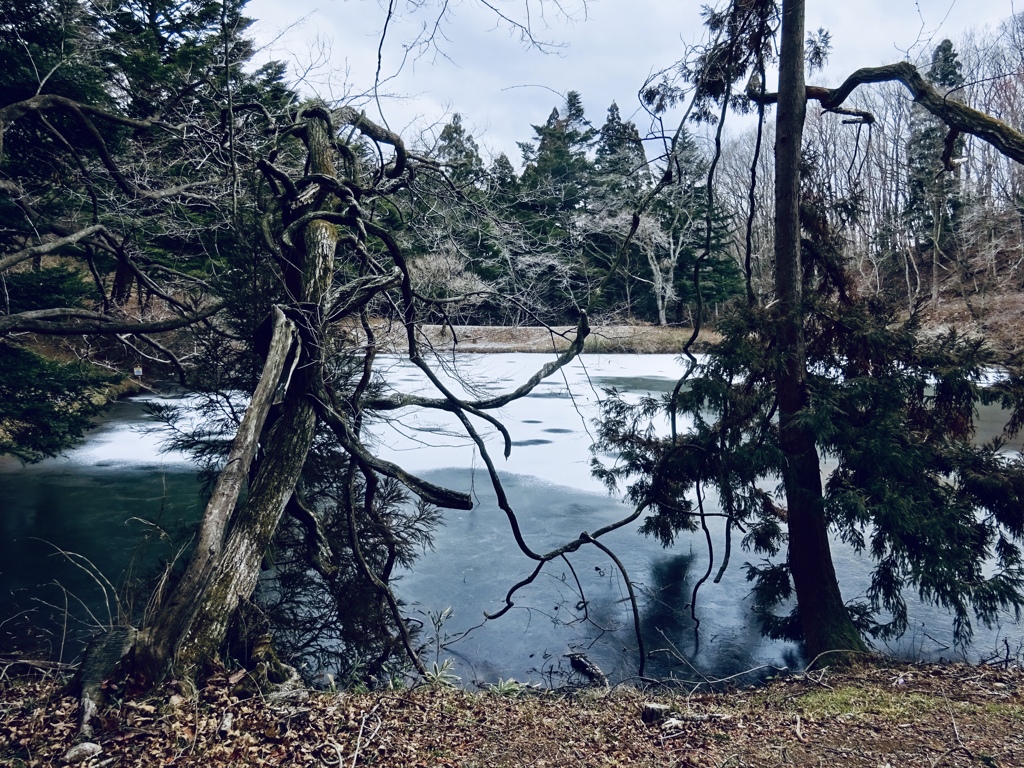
[101, 498]
[76, 530]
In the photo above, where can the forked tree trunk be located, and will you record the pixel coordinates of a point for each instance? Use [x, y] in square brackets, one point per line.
[157, 643]
[826, 623]
[237, 570]
[190, 628]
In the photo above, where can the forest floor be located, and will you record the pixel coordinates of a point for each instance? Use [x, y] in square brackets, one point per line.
[884, 715]
[998, 318]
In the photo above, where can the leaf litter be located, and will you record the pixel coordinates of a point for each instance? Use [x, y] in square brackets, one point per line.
[885, 714]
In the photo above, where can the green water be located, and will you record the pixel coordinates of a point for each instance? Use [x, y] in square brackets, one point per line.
[81, 537]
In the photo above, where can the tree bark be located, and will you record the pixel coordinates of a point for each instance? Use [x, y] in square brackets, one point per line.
[237, 570]
[826, 623]
[157, 644]
[190, 630]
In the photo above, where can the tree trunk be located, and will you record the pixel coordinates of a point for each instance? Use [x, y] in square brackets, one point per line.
[189, 630]
[121, 291]
[157, 644]
[936, 252]
[825, 621]
[237, 569]
[658, 285]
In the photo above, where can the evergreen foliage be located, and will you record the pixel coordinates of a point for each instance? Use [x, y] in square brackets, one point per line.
[65, 170]
[45, 406]
[891, 408]
[45, 288]
[546, 238]
[619, 160]
[491, 245]
[458, 150]
[933, 198]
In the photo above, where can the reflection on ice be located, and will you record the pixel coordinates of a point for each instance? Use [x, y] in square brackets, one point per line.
[570, 410]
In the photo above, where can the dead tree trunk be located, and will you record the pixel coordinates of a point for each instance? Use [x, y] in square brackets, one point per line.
[237, 569]
[157, 643]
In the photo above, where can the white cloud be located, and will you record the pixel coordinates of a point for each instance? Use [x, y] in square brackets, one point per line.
[501, 87]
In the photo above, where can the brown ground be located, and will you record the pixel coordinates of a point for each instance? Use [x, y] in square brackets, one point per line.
[888, 715]
[603, 338]
[998, 318]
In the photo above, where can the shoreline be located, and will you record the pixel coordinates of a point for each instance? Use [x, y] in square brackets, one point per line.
[603, 339]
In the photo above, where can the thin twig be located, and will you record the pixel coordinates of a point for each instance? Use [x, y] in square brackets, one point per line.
[359, 740]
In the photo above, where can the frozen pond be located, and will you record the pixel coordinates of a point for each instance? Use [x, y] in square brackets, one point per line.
[99, 499]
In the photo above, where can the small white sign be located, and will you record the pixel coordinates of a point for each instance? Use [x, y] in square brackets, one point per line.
[138, 370]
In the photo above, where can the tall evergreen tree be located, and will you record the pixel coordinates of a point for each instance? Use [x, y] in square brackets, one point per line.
[621, 176]
[558, 171]
[554, 189]
[503, 182]
[819, 370]
[458, 150]
[620, 165]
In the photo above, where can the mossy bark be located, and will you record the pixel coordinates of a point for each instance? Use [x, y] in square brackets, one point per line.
[157, 643]
[237, 570]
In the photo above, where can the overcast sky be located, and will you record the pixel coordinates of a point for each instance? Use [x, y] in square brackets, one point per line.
[605, 49]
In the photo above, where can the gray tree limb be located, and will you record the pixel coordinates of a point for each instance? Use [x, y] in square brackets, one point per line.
[955, 114]
[68, 321]
[44, 248]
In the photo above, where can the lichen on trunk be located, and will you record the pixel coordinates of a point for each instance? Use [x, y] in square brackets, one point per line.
[189, 630]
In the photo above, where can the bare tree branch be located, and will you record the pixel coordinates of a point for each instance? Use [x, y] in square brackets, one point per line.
[67, 321]
[435, 494]
[84, 113]
[958, 116]
[41, 250]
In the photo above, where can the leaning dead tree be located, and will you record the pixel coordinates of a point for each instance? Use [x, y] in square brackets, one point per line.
[335, 262]
[316, 230]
